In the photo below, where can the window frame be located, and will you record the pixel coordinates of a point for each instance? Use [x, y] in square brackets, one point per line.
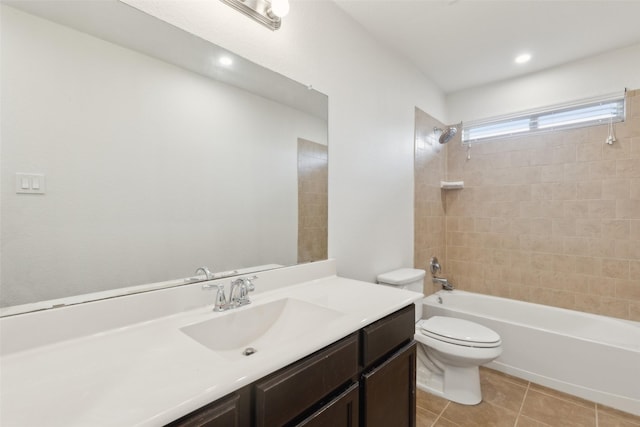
[514, 125]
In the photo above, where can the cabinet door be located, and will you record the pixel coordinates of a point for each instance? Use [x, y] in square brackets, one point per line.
[230, 411]
[389, 391]
[340, 412]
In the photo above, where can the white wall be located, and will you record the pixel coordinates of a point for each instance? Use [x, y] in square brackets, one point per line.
[598, 75]
[146, 164]
[372, 96]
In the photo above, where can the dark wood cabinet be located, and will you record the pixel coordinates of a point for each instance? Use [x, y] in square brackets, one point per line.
[367, 379]
[342, 411]
[388, 382]
[387, 334]
[233, 410]
[389, 391]
[291, 391]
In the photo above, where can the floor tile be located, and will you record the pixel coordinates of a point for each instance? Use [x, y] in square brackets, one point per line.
[524, 421]
[443, 422]
[605, 420]
[503, 398]
[492, 372]
[500, 391]
[483, 414]
[557, 412]
[609, 417]
[430, 402]
[425, 418]
[560, 395]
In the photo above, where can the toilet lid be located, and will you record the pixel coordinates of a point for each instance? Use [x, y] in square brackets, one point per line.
[459, 331]
[402, 276]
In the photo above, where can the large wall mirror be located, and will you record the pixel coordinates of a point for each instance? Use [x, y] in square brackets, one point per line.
[132, 154]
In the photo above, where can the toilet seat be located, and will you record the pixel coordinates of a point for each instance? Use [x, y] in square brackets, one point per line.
[459, 332]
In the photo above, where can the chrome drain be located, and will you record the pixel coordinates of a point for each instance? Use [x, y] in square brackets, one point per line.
[249, 351]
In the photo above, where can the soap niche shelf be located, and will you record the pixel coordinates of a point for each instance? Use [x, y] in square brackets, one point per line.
[452, 185]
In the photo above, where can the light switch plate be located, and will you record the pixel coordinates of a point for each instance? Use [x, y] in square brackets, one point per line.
[30, 183]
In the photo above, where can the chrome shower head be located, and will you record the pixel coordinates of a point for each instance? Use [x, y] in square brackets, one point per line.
[447, 134]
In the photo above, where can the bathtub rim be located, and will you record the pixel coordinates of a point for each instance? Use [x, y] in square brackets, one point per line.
[432, 300]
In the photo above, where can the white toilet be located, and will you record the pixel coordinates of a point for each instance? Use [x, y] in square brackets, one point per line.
[450, 350]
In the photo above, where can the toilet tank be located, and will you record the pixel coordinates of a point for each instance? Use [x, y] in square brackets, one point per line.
[411, 279]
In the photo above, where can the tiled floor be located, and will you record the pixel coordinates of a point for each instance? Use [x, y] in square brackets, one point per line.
[509, 401]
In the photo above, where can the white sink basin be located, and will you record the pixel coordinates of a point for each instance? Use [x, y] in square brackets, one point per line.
[259, 327]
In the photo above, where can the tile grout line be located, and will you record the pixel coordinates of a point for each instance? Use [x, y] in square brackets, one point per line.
[440, 414]
[522, 404]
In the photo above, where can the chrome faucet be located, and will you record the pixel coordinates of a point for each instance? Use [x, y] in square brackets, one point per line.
[205, 271]
[238, 294]
[443, 282]
[241, 286]
[221, 300]
[434, 266]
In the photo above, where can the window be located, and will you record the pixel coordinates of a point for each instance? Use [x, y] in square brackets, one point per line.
[590, 112]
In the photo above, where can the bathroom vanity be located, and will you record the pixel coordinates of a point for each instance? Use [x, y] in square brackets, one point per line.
[368, 376]
[328, 351]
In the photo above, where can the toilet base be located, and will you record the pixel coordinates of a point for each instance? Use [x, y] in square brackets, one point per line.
[454, 383]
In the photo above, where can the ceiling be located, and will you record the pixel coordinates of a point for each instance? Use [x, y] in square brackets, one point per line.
[460, 44]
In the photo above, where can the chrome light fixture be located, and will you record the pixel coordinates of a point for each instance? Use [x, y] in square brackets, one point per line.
[268, 13]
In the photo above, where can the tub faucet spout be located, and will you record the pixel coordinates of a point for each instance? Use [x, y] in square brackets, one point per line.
[443, 282]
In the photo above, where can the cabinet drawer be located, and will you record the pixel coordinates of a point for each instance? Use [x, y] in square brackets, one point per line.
[387, 334]
[289, 392]
[342, 411]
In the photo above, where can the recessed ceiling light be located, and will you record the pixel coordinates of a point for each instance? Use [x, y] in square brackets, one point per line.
[225, 60]
[521, 59]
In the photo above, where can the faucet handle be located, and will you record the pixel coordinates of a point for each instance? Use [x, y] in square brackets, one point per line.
[245, 286]
[434, 266]
[221, 300]
[249, 282]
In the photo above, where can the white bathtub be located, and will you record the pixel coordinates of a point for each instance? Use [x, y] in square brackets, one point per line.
[594, 357]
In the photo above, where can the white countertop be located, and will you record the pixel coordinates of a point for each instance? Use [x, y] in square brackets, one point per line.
[150, 373]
